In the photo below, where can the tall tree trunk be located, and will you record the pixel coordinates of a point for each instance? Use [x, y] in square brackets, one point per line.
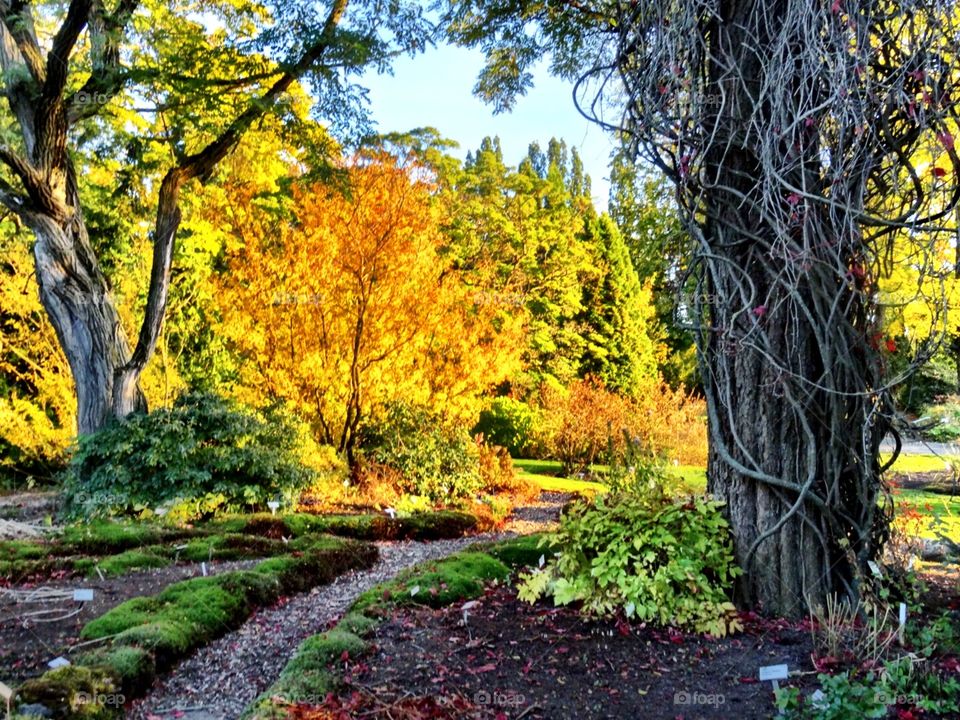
[788, 369]
[81, 308]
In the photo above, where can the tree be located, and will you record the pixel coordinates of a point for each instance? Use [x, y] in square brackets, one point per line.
[617, 317]
[206, 73]
[796, 135]
[347, 307]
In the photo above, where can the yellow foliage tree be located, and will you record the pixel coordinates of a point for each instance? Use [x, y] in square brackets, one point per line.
[349, 306]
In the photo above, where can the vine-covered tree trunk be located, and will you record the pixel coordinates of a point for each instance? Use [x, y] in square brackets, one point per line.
[789, 372]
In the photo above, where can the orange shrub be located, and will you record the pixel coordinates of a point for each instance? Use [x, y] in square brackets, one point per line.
[583, 422]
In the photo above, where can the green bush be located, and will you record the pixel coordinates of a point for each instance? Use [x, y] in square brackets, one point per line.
[203, 456]
[437, 461]
[873, 695]
[944, 419]
[509, 423]
[655, 558]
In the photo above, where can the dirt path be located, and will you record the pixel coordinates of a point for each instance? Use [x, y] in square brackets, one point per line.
[222, 678]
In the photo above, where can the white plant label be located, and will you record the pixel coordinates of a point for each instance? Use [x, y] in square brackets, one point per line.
[58, 662]
[5, 692]
[83, 595]
[769, 673]
[203, 568]
[874, 568]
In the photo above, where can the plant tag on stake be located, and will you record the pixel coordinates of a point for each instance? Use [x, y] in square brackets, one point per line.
[273, 505]
[903, 622]
[203, 568]
[83, 595]
[773, 674]
[874, 568]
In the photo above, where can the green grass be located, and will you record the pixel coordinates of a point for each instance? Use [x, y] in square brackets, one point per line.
[919, 463]
[930, 505]
[940, 513]
[546, 474]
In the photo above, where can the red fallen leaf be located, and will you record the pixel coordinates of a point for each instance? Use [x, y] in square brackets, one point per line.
[749, 680]
[484, 668]
[760, 311]
[501, 716]
[946, 139]
[906, 715]
[891, 345]
[836, 7]
[793, 198]
[526, 668]
[939, 172]
[563, 649]
[345, 655]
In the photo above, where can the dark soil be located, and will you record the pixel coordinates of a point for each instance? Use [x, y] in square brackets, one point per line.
[28, 644]
[935, 482]
[514, 660]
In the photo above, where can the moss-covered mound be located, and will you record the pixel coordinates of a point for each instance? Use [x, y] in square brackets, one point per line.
[146, 635]
[438, 525]
[318, 666]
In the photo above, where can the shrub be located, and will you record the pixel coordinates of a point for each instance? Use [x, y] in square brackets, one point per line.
[509, 423]
[944, 419]
[436, 460]
[203, 456]
[586, 421]
[657, 559]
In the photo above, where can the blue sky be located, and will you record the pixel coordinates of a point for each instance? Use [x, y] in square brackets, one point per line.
[434, 89]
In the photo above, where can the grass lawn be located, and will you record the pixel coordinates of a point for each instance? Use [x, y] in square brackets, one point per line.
[920, 463]
[930, 506]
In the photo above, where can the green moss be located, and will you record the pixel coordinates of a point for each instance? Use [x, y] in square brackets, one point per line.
[101, 537]
[357, 623]
[316, 561]
[70, 691]
[134, 667]
[313, 671]
[523, 551]
[22, 550]
[419, 526]
[124, 562]
[458, 577]
[230, 546]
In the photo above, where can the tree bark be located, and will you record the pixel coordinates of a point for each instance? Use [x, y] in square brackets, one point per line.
[82, 311]
[789, 374]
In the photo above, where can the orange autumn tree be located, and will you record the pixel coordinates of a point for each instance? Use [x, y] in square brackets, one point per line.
[350, 305]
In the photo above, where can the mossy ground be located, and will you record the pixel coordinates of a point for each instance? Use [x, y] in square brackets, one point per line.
[317, 667]
[111, 548]
[146, 635]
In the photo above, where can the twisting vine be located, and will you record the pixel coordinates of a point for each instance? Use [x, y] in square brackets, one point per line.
[801, 137]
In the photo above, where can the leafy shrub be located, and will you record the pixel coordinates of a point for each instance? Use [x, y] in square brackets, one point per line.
[510, 423]
[656, 559]
[586, 421]
[498, 476]
[873, 695]
[436, 460]
[203, 456]
[944, 419]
